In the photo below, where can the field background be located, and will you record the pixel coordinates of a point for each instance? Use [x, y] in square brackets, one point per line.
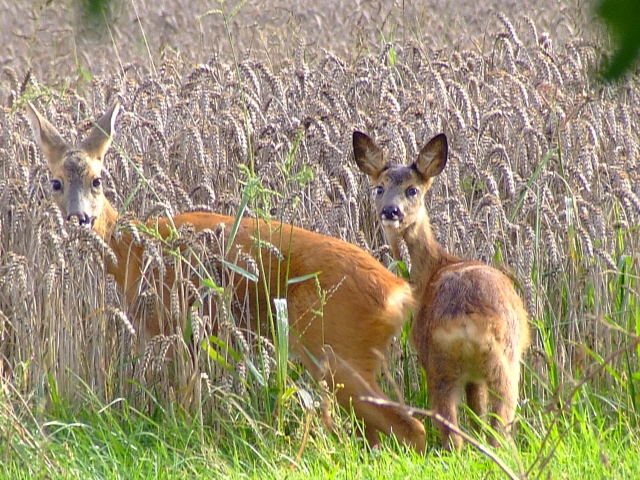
[257, 101]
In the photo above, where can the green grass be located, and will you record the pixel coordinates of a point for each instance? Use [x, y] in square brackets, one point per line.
[593, 437]
[113, 445]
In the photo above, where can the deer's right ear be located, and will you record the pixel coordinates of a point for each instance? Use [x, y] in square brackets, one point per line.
[51, 142]
[99, 139]
[368, 155]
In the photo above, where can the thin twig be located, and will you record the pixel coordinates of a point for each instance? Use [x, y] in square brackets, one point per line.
[304, 442]
[605, 362]
[439, 418]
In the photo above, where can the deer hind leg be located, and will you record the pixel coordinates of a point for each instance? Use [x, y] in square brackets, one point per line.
[503, 384]
[349, 366]
[354, 383]
[445, 393]
[477, 399]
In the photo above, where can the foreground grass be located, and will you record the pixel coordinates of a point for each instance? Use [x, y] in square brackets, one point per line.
[122, 443]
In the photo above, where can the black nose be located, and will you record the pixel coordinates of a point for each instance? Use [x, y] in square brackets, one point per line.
[391, 212]
[83, 218]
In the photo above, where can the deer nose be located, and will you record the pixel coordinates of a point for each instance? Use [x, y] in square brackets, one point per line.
[391, 212]
[83, 218]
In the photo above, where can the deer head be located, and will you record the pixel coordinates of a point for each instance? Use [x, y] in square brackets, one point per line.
[76, 171]
[399, 190]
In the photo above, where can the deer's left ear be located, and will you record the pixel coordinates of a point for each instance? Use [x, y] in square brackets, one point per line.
[99, 139]
[368, 155]
[433, 157]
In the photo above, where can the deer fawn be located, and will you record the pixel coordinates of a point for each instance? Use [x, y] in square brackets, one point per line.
[471, 327]
[340, 339]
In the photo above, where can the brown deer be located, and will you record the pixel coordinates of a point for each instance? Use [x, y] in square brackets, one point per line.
[340, 338]
[471, 327]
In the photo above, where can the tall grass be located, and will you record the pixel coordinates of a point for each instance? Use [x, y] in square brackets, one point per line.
[544, 182]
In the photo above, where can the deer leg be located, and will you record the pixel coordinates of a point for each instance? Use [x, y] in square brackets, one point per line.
[445, 393]
[349, 366]
[356, 387]
[477, 398]
[503, 385]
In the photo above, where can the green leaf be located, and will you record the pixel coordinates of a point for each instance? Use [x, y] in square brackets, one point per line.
[236, 222]
[305, 398]
[213, 340]
[216, 357]
[240, 270]
[302, 278]
[399, 268]
[208, 282]
[255, 372]
[623, 20]
[282, 340]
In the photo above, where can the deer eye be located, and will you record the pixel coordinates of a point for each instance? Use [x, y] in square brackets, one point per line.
[379, 190]
[97, 182]
[56, 185]
[411, 192]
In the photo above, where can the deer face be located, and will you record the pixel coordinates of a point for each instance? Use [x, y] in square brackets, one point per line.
[76, 186]
[76, 171]
[399, 190]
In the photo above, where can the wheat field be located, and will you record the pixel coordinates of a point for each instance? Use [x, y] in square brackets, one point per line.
[256, 102]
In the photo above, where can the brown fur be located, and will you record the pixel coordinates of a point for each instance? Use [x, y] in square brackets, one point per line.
[471, 328]
[364, 309]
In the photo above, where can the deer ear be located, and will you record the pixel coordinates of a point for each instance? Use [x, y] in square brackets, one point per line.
[99, 139]
[368, 155]
[433, 157]
[51, 142]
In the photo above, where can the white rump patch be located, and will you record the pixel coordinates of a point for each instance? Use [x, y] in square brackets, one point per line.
[400, 301]
[466, 339]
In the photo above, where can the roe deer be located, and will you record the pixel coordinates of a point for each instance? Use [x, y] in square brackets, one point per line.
[471, 327]
[341, 338]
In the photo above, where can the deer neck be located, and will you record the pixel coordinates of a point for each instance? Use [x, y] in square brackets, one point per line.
[427, 255]
[106, 222]
[104, 226]
[126, 269]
